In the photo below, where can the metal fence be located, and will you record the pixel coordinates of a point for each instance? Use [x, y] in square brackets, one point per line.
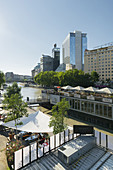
[34, 151]
[104, 140]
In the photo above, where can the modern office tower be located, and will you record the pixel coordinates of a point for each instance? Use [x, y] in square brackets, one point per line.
[36, 70]
[73, 49]
[100, 60]
[46, 63]
[56, 57]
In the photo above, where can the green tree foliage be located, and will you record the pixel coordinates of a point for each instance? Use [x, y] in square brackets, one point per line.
[71, 77]
[2, 78]
[59, 111]
[14, 104]
[94, 76]
[13, 90]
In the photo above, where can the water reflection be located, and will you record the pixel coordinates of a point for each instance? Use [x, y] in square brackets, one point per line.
[32, 93]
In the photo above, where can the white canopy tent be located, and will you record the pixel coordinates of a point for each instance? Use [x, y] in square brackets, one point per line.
[91, 89]
[67, 87]
[79, 88]
[106, 90]
[36, 122]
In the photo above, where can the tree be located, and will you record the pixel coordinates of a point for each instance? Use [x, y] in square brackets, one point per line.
[94, 76]
[108, 81]
[59, 111]
[14, 104]
[13, 90]
[2, 78]
[71, 77]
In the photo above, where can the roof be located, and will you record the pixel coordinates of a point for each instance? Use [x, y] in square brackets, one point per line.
[106, 90]
[37, 122]
[61, 67]
[92, 89]
[78, 88]
[67, 87]
[96, 158]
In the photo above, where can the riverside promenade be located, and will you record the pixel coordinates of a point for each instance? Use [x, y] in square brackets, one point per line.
[3, 159]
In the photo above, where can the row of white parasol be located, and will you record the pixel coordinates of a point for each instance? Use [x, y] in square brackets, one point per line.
[90, 89]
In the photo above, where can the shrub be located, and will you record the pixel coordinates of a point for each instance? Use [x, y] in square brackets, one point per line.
[11, 148]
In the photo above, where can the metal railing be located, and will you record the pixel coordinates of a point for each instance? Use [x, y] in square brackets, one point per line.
[34, 151]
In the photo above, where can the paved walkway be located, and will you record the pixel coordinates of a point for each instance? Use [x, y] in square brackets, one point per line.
[3, 159]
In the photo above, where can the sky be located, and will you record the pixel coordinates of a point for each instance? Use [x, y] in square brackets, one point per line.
[30, 28]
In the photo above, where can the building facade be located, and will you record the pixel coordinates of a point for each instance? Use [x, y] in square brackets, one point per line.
[73, 49]
[46, 63]
[95, 110]
[11, 77]
[101, 61]
[56, 57]
[36, 70]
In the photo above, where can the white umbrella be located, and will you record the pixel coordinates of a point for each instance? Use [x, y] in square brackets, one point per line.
[1, 122]
[37, 122]
[106, 90]
[79, 88]
[91, 89]
[67, 87]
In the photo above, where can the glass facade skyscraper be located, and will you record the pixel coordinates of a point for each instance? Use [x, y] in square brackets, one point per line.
[73, 49]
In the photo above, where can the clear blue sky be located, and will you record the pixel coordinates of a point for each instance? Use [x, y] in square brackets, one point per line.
[29, 28]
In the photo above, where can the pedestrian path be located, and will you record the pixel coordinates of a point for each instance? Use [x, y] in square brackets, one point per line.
[3, 159]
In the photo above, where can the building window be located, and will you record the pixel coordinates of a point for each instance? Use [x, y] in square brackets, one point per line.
[92, 107]
[76, 104]
[105, 110]
[82, 106]
[101, 110]
[72, 103]
[96, 109]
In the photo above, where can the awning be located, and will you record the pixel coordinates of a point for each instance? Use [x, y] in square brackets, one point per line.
[106, 90]
[37, 122]
[67, 87]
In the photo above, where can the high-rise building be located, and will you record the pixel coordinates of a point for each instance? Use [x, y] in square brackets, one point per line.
[73, 49]
[56, 57]
[100, 60]
[46, 63]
